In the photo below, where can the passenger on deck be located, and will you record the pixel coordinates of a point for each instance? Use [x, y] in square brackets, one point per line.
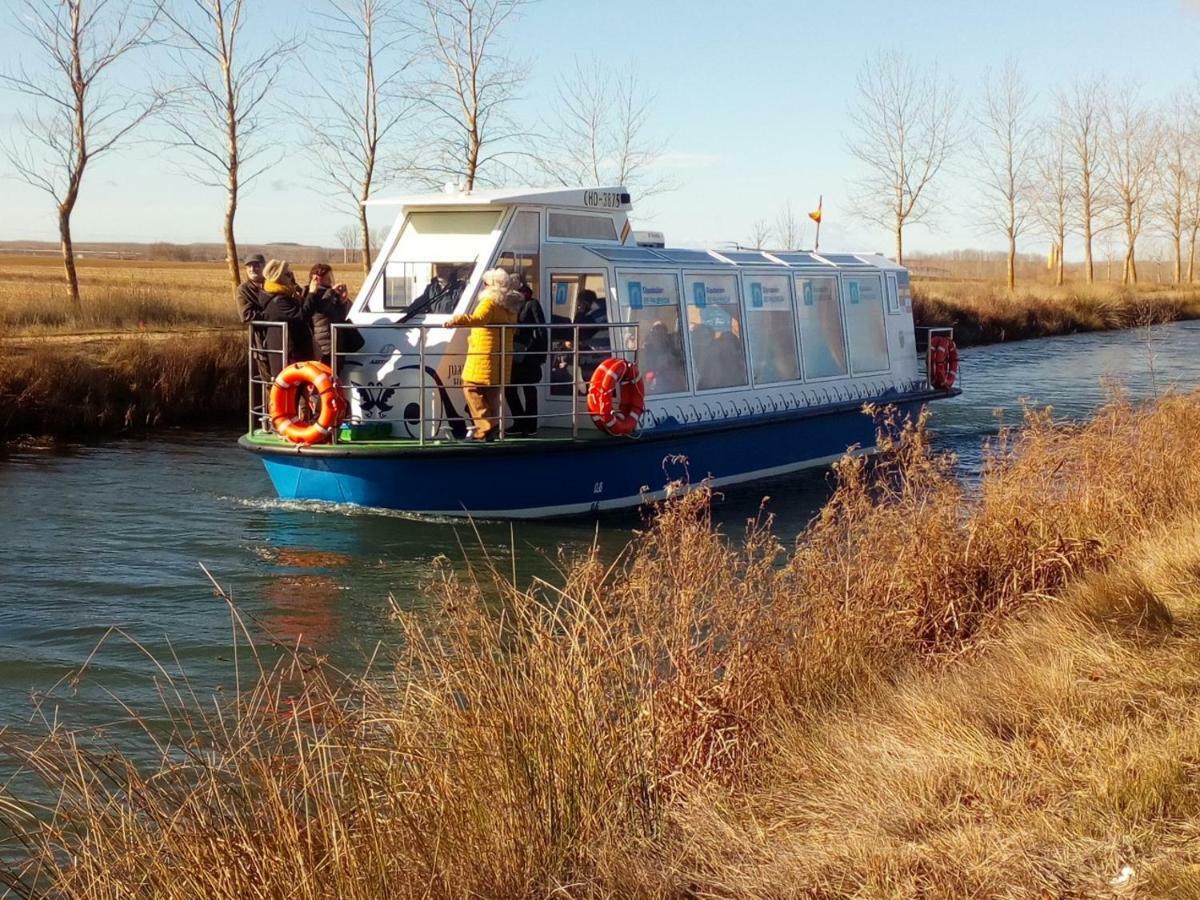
[326, 305]
[247, 292]
[594, 344]
[250, 309]
[442, 293]
[281, 302]
[489, 351]
[529, 355]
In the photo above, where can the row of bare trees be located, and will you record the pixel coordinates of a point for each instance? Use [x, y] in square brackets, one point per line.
[1100, 158]
[418, 92]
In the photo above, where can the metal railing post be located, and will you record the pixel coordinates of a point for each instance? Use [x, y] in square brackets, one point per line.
[250, 377]
[421, 390]
[333, 364]
[503, 379]
[576, 374]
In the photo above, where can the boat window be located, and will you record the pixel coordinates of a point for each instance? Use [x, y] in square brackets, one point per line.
[520, 249]
[577, 298]
[446, 241]
[652, 300]
[715, 331]
[904, 287]
[580, 227]
[819, 316]
[771, 328]
[865, 326]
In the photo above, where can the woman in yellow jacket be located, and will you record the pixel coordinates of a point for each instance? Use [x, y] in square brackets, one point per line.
[489, 356]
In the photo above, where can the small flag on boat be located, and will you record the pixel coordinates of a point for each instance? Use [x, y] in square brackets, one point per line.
[815, 215]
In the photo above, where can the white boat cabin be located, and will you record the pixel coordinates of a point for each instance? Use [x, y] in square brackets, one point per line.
[721, 333]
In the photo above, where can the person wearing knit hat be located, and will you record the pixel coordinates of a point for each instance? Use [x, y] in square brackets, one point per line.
[281, 303]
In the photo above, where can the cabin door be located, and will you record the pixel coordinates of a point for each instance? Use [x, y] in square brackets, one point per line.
[578, 307]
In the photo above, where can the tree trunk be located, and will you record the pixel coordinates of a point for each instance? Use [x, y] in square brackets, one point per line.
[1192, 257]
[1012, 262]
[1178, 259]
[1088, 266]
[68, 252]
[231, 252]
[899, 243]
[1059, 267]
[366, 238]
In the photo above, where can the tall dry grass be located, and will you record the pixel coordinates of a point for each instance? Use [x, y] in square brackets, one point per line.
[924, 696]
[987, 313]
[54, 389]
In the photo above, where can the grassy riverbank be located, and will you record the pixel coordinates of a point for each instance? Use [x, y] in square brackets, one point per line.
[72, 389]
[986, 313]
[935, 691]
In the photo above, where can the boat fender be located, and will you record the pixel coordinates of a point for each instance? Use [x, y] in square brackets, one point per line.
[285, 403]
[616, 396]
[943, 363]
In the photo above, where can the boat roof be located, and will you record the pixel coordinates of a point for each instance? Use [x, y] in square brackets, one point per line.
[675, 256]
[597, 198]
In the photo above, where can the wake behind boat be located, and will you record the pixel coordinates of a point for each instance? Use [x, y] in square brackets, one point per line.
[652, 364]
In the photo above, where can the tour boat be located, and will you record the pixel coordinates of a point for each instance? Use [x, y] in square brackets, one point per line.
[725, 365]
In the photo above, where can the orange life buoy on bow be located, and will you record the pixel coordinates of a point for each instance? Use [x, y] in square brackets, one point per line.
[616, 396]
[943, 363]
[285, 403]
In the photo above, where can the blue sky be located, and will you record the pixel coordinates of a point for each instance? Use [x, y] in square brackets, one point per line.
[751, 99]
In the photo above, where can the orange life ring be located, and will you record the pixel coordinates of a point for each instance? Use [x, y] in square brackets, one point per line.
[285, 403]
[616, 396]
[943, 363]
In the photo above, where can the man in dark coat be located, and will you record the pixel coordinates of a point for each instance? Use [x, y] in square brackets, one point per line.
[442, 293]
[529, 355]
[250, 307]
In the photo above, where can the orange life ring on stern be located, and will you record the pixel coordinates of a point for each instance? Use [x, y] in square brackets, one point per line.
[943, 363]
[285, 402]
[616, 396]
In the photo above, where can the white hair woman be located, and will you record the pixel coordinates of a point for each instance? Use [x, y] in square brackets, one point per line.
[489, 351]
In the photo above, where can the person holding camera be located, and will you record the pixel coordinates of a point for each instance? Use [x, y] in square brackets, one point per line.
[327, 304]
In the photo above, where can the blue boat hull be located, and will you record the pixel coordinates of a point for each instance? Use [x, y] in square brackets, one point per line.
[535, 480]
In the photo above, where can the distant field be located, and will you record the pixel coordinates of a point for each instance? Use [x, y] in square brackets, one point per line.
[120, 295]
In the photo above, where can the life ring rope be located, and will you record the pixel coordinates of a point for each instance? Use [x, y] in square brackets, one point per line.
[285, 402]
[616, 397]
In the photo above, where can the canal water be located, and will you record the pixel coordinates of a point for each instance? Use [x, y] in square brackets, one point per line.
[113, 535]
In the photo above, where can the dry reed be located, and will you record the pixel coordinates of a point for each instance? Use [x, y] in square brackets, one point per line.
[926, 695]
[986, 313]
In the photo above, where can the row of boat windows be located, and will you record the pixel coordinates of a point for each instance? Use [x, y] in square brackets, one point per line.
[795, 327]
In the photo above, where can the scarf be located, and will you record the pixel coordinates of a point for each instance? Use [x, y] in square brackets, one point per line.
[276, 287]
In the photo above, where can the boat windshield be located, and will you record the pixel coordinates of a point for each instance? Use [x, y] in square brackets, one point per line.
[433, 260]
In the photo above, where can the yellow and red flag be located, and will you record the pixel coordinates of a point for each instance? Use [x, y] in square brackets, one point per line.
[815, 215]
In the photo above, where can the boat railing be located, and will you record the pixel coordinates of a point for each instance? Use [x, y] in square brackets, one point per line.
[925, 336]
[572, 353]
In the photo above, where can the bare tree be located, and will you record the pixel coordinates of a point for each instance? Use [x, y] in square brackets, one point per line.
[1006, 152]
[788, 228]
[221, 124]
[1054, 202]
[1178, 173]
[1193, 222]
[600, 132]
[1133, 138]
[905, 122]
[472, 81]
[78, 113]
[359, 103]
[760, 233]
[1081, 111]
[348, 238]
